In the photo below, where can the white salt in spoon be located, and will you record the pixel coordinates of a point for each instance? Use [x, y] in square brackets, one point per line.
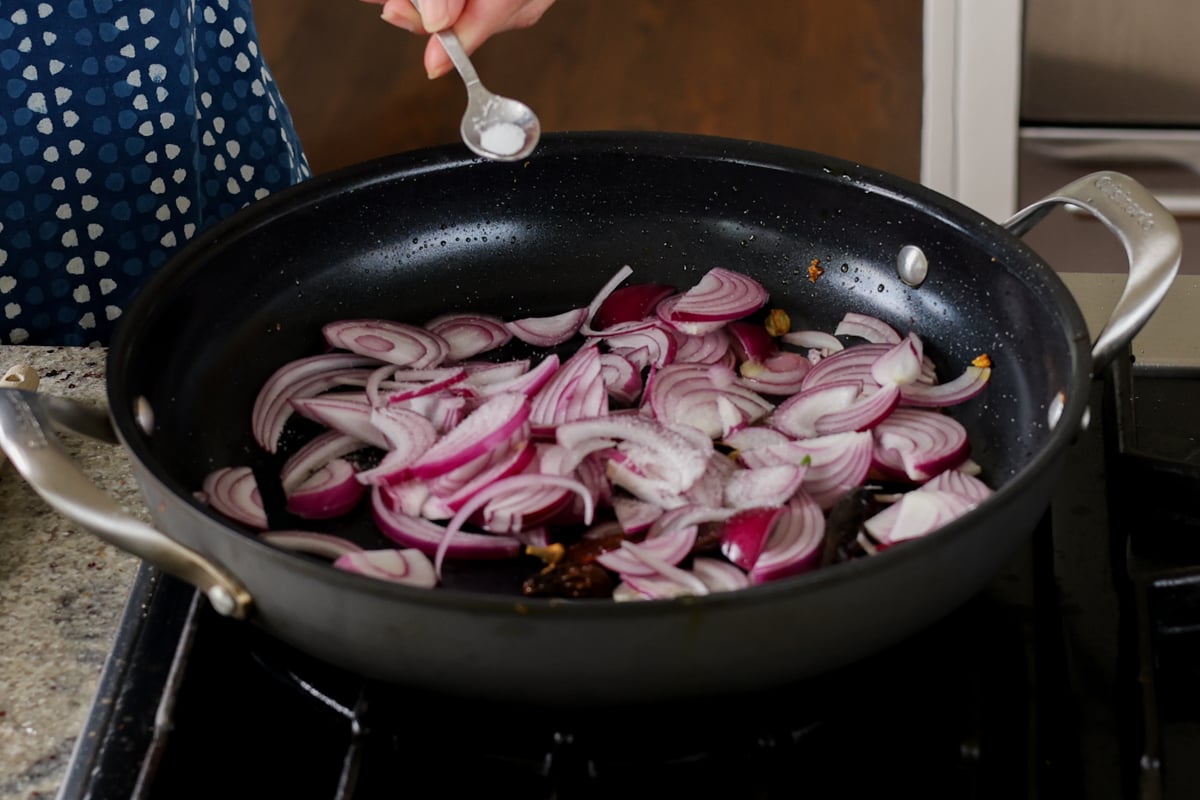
[493, 126]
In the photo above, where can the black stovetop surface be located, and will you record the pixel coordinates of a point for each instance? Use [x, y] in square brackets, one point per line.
[1074, 674]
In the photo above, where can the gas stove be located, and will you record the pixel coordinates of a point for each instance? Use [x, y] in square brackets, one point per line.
[1074, 674]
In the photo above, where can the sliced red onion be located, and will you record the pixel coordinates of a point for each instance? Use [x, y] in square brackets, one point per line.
[233, 492]
[331, 491]
[319, 450]
[408, 435]
[318, 544]
[918, 444]
[469, 334]
[648, 346]
[548, 331]
[720, 295]
[865, 326]
[692, 394]
[797, 416]
[962, 483]
[499, 420]
[635, 516]
[852, 364]
[623, 382]
[670, 546]
[409, 567]
[712, 347]
[901, 364]
[628, 304]
[796, 543]
[660, 568]
[455, 495]
[664, 311]
[603, 294]
[750, 341]
[967, 385]
[527, 383]
[416, 383]
[781, 374]
[671, 459]
[344, 412]
[745, 534]
[710, 489]
[765, 486]
[863, 414]
[718, 575]
[575, 391]
[305, 377]
[502, 486]
[394, 342]
[813, 340]
[916, 514]
[412, 531]
[756, 436]
[836, 463]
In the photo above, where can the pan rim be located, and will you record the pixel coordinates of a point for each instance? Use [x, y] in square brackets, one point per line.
[633, 144]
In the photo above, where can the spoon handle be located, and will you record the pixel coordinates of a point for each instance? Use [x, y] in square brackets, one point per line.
[458, 56]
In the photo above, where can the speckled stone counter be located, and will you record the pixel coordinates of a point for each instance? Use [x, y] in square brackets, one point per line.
[62, 592]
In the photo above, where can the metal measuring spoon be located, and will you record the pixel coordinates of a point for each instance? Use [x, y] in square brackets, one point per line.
[493, 126]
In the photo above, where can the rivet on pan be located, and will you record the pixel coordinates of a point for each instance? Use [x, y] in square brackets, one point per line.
[144, 415]
[911, 265]
[1056, 409]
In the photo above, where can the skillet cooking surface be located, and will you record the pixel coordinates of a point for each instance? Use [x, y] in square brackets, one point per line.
[416, 235]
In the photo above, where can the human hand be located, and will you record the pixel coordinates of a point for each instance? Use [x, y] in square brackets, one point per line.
[473, 21]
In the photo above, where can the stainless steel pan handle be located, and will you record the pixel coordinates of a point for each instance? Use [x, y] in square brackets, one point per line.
[27, 437]
[1152, 243]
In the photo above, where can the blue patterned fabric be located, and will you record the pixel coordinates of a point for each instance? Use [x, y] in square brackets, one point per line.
[125, 128]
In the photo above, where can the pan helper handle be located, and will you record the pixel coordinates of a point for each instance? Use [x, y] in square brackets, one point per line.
[1152, 243]
[28, 439]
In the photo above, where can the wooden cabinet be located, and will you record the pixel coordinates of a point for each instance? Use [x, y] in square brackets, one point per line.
[841, 78]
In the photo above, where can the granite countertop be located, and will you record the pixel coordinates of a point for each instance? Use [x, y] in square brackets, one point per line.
[62, 591]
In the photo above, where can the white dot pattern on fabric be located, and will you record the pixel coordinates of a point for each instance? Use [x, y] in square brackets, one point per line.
[124, 131]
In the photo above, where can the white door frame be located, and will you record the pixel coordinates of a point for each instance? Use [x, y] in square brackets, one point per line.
[970, 109]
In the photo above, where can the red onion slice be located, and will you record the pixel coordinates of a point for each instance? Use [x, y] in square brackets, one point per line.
[504, 485]
[498, 420]
[671, 459]
[622, 381]
[798, 415]
[901, 364]
[628, 304]
[918, 444]
[707, 398]
[745, 534]
[861, 415]
[712, 347]
[778, 375]
[916, 513]
[548, 331]
[412, 531]
[764, 486]
[971, 382]
[344, 412]
[670, 546]
[795, 545]
[394, 342]
[332, 491]
[721, 295]
[409, 567]
[962, 483]
[865, 326]
[233, 492]
[718, 575]
[321, 449]
[305, 377]
[822, 341]
[468, 334]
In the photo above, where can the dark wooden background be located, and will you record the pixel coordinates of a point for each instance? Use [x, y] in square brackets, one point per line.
[843, 77]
